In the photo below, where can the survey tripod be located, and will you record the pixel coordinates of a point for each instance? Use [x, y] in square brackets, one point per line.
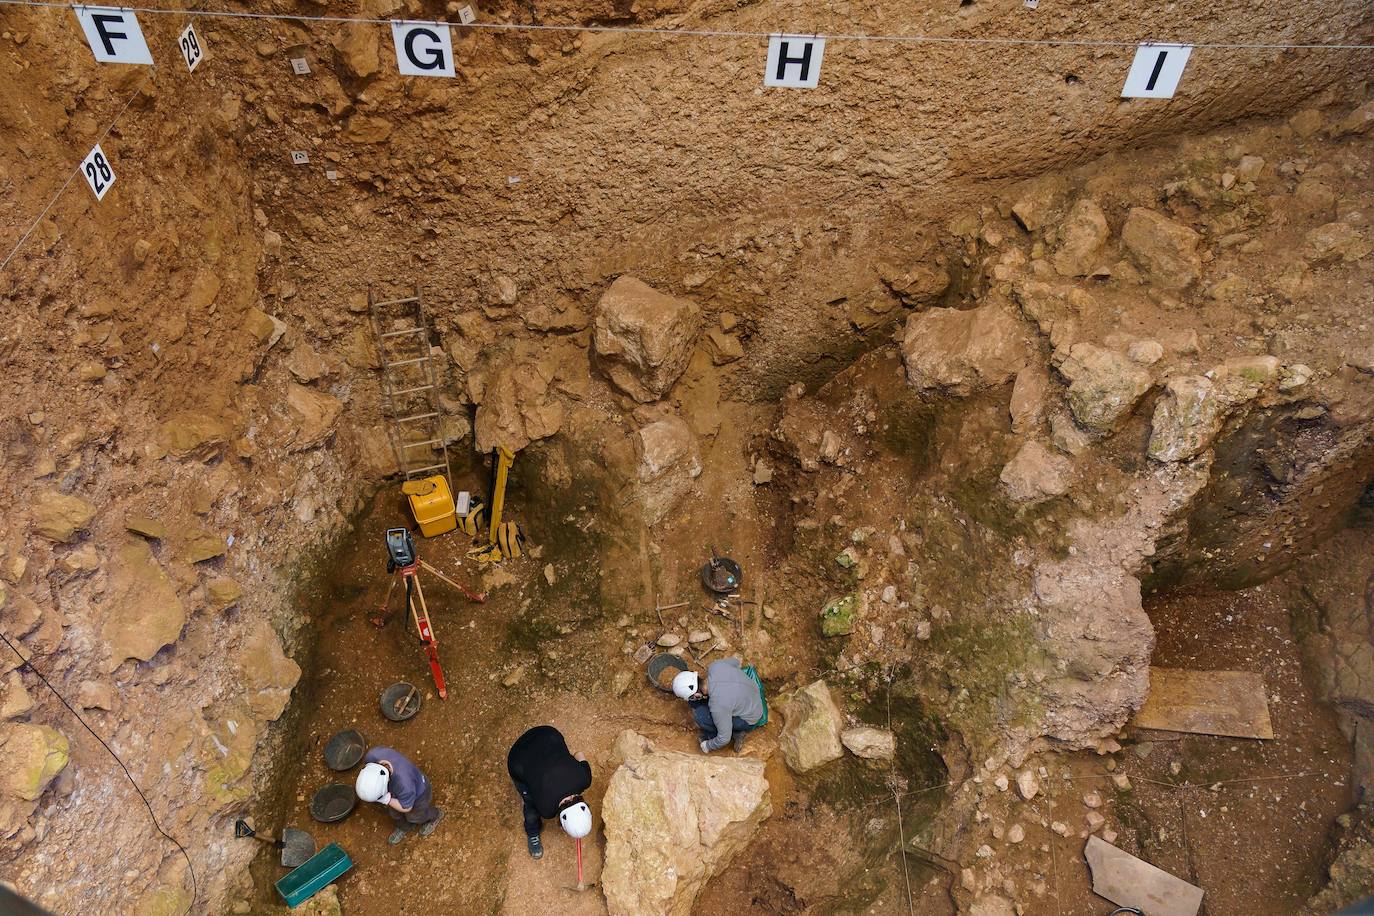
[405, 564]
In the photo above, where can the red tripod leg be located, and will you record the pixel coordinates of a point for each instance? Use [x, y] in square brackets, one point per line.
[421, 612]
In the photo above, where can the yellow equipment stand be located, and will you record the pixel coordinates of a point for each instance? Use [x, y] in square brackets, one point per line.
[504, 538]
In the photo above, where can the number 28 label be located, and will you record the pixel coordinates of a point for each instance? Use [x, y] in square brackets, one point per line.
[191, 51]
[96, 168]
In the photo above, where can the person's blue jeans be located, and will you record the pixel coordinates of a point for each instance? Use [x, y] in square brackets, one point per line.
[701, 712]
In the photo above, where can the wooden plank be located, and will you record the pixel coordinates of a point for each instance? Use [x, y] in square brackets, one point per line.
[1127, 881]
[1229, 703]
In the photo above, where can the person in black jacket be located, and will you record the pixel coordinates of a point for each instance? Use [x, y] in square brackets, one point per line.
[550, 781]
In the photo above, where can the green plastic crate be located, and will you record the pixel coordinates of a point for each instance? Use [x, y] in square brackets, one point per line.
[314, 875]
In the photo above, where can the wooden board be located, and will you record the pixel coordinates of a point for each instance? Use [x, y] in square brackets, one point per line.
[1230, 703]
[1127, 881]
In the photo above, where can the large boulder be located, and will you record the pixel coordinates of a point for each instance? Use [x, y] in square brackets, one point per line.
[143, 612]
[193, 434]
[673, 821]
[1036, 473]
[1104, 385]
[58, 517]
[963, 351]
[644, 338]
[34, 755]
[1187, 418]
[1081, 237]
[268, 675]
[1163, 249]
[811, 737]
[669, 460]
[518, 405]
[313, 415]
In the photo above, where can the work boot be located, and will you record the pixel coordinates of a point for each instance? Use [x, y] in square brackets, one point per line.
[396, 836]
[536, 846]
[737, 742]
[428, 828]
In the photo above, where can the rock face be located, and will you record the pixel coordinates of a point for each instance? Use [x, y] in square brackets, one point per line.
[1081, 238]
[1037, 473]
[313, 415]
[811, 737]
[1162, 248]
[1104, 385]
[143, 613]
[673, 821]
[644, 338]
[192, 434]
[34, 755]
[1186, 420]
[669, 462]
[963, 351]
[59, 517]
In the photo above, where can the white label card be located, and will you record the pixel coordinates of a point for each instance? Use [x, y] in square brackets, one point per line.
[466, 16]
[423, 48]
[1155, 72]
[191, 51]
[99, 175]
[113, 34]
[794, 61]
[300, 156]
[300, 66]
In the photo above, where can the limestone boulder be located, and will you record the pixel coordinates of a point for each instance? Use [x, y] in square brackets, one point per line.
[58, 517]
[1333, 242]
[517, 404]
[811, 737]
[143, 612]
[673, 821]
[668, 463]
[312, 415]
[1104, 385]
[644, 338]
[1081, 237]
[358, 49]
[1028, 397]
[222, 592]
[34, 755]
[1358, 121]
[268, 674]
[195, 435]
[869, 743]
[1165, 250]
[1037, 473]
[963, 351]
[1186, 420]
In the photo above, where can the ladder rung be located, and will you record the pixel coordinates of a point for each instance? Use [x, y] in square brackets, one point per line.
[410, 362]
[377, 305]
[428, 467]
[417, 444]
[411, 390]
[406, 331]
[419, 416]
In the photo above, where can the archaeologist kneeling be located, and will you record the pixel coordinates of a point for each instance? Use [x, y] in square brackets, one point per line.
[550, 781]
[726, 705]
[388, 778]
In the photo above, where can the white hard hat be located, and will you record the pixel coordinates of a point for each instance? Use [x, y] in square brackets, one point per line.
[576, 819]
[372, 782]
[685, 684]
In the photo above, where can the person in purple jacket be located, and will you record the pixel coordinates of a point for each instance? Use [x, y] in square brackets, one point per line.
[388, 778]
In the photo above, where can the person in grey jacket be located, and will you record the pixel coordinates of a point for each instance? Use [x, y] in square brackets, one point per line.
[725, 706]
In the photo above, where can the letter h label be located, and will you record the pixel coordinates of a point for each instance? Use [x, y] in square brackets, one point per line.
[794, 61]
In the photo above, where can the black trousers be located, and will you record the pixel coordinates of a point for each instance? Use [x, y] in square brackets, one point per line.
[534, 824]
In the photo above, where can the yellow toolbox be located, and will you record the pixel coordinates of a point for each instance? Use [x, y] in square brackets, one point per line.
[431, 503]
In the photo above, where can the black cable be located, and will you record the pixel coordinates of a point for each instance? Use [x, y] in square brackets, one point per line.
[195, 891]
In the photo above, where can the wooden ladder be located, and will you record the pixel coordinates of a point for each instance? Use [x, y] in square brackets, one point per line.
[411, 407]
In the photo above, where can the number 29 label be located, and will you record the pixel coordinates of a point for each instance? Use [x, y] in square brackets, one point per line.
[191, 51]
[96, 168]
